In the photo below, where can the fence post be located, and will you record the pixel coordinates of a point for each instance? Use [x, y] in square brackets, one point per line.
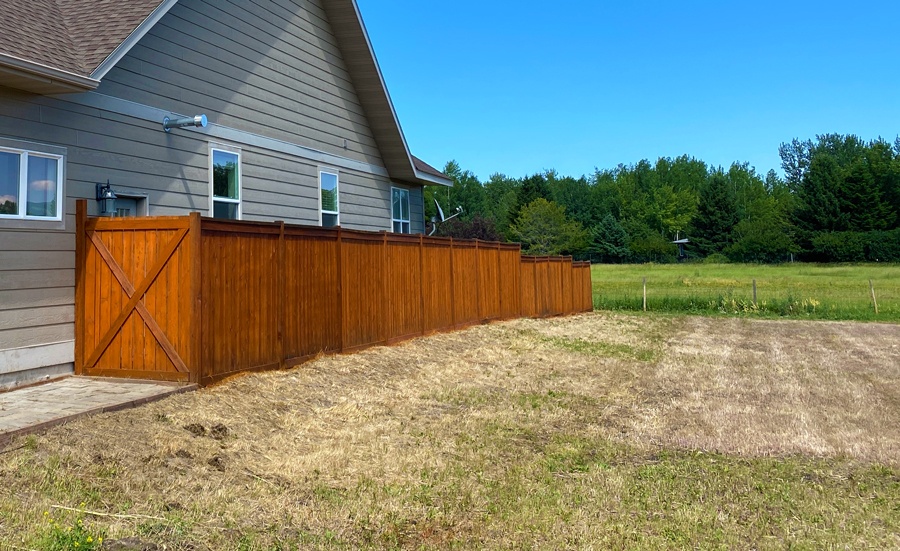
[452, 289]
[340, 287]
[80, 266]
[478, 280]
[645, 294]
[874, 301]
[281, 275]
[422, 281]
[386, 322]
[197, 333]
[754, 293]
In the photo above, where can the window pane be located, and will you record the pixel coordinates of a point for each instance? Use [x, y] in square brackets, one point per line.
[226, 175]
[395, 204]
[404, 205]
[329, 191]
[225, 210]
[405, 228]
[9, 183]
[329, 220]
[398, 227]
[43, 183]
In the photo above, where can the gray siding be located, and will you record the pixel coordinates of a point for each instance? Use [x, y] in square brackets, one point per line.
[261, 71]
[271, 68]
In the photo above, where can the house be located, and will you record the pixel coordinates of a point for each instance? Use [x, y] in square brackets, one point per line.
[277, 110]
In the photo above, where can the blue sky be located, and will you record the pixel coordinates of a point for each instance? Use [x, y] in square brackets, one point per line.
[519, 87]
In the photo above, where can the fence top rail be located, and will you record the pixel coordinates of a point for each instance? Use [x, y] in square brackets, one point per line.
[357, 235]
[218, 225]
[311, 232]
[465, 243]
[156, 223]
[404, 239]
[442, 242]
[240, 226]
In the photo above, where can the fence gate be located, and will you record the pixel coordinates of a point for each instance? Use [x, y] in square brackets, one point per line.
[134, 304]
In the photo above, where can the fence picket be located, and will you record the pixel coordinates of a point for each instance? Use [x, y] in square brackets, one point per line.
[298, 291]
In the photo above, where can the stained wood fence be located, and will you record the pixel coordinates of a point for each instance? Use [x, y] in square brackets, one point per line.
[196, 299]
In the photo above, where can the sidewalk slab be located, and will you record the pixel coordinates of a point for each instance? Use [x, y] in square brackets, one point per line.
[36, 408]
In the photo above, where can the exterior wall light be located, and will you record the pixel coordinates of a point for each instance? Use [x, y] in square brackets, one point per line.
[106, 197]
[199, 121]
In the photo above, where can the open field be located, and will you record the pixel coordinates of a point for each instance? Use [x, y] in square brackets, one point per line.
[808, 291]
[604, 431]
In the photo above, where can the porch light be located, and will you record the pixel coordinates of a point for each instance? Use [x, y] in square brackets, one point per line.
[199, 121]
[106, 197]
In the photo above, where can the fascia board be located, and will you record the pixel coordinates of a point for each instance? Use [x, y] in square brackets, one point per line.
[135, 36]
[53, 74]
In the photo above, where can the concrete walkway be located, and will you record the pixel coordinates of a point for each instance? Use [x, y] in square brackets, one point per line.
[39, 407]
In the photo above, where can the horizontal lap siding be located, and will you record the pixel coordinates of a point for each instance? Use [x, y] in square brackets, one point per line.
[250, 66]
[36, 301]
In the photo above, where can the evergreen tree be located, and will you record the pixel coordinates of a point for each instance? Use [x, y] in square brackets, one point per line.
[609, 240]
[716, 216]
[819, 206]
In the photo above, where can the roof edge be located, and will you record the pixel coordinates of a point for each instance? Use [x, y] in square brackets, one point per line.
[136, 35]
[387, 94]
[40, 71]
[433, 180]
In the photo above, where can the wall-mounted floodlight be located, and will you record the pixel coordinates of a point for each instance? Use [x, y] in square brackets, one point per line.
[106, 197]
[199, 121]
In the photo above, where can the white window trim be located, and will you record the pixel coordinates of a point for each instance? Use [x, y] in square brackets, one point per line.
[23, 185]
[400, 220]
[337, 187]
[240, 183]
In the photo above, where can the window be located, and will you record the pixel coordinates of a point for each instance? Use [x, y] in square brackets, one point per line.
[400, 209]
[30, 185]
[328, 197]
[226, 184]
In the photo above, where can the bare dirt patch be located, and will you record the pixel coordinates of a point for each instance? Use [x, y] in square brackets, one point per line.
[542, 433]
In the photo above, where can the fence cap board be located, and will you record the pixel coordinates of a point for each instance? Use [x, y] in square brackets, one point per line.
[403, 239]
[358, 235]
[310, 232]
[239, 226]
[120, 224]
[465, 243]
[444, 242]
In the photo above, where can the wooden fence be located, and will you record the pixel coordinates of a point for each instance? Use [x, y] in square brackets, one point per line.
[196, 299]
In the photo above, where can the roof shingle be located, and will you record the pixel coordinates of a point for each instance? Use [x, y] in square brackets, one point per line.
[71, 35]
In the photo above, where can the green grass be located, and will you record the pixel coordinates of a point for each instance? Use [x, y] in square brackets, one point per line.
[807, 291]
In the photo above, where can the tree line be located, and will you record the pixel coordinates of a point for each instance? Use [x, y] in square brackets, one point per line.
[838, 201]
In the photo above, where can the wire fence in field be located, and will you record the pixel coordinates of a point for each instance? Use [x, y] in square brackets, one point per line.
[858, 300]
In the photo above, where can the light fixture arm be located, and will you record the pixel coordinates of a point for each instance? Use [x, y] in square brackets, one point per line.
[199, 121]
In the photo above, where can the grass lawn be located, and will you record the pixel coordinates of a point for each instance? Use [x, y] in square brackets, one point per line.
[605, 431]
[808, 291]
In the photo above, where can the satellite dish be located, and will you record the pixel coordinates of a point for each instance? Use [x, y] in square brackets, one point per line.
[440, 217]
